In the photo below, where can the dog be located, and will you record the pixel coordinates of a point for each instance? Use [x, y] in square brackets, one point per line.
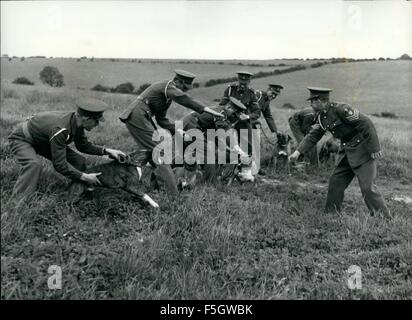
[282, 152]
[187, 176]
[125, 174]
[329, 150]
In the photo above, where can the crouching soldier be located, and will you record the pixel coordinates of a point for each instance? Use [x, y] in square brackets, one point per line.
[360, 150]
[231, 116]
[264, 98]
[48, 134]
[300, 124]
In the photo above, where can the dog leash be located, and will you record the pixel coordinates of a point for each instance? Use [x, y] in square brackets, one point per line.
[267, 138]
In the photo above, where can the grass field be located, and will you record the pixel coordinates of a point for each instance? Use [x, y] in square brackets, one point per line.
[268, 242]
[86, 74]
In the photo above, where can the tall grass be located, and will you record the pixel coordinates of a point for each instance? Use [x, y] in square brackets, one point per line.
[269, 241]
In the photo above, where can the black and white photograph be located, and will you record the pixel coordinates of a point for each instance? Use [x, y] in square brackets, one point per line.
[228, 151]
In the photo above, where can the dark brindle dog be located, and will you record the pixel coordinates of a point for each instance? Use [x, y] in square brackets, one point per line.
[282, 152]
[125, 174]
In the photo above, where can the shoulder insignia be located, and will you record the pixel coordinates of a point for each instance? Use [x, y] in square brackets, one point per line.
[352, 115]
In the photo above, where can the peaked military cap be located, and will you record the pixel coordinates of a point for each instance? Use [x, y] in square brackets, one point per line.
[244, 75]
[275, 87]
[91, 108]
[186, 77]
[316, 92]
[237, 103]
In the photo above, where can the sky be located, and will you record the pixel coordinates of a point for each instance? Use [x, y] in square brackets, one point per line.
[207, 29]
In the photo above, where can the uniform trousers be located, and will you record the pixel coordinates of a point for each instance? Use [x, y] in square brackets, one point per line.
[143, 137]
[343, 175]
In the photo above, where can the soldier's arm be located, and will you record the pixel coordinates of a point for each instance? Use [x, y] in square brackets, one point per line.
[254, 110]
[85, 146]
[58, 147]
[184, 99]
[310, 140]
[225, 100]
[164, 122]
[362, 124]
[267, 114]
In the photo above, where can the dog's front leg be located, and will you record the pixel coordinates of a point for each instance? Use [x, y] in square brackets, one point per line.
[76, 189]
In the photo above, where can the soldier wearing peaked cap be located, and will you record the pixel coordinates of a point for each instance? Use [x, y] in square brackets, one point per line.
[154, 102]
[300, 123]
[247, 96]
[264, 98]
[48, 134]
[203, 122]
[360, 149]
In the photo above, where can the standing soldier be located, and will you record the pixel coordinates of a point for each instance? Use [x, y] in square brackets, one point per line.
[247, 96]
[48, 134]
[263, 99]
[154, 102]
[300, 124]
[360, 150]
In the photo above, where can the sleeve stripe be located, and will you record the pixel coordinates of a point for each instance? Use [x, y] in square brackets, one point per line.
[320, 123]
[58, 132]
[167, 85]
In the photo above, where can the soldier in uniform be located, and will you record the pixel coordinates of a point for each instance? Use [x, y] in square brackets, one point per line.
[360, 149]
[154, 102]
[263, 99]
[247, 96]
[300, 124]
[48, 134]
[231, 116]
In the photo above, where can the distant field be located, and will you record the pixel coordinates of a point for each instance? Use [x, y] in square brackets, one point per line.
[86, 74]
[370, 86]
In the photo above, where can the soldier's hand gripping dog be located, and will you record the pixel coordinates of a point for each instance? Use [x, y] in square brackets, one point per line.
[124, 173]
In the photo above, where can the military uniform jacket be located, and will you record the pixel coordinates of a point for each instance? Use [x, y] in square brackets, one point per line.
[156, 100]
[51, 132]
[304, 120]
[264, 105]
[356, 131]
[246, 96]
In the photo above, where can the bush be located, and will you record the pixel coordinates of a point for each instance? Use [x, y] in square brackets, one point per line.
[196, 85]
[391, 115]
[317, 65]
[23, 80]
[126, 87]
[403, 57]
[99, 87]
[142, 88]
[51, 76]
[288, 106]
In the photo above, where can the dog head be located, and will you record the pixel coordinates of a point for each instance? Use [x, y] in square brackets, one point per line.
[188, 176]
[283, 148]
[328, 150]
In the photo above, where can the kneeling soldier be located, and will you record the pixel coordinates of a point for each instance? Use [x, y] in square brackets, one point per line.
[300, 124]
[360, 149]
[231, 116]
[48, 134]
